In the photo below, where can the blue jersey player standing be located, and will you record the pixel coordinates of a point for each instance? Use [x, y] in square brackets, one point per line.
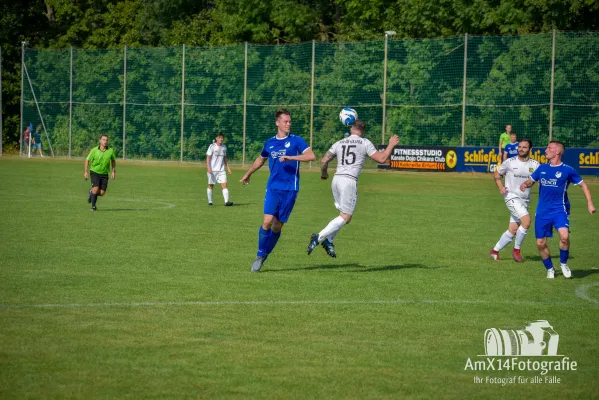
[553, 207]
[511, 149]
[284, 153]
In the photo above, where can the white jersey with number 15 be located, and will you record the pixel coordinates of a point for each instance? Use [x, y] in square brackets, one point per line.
[351, 153]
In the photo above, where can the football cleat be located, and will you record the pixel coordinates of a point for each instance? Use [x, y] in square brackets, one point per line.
[258, 263]
[209, 204]
[550, 273]
[89, 196]
[566, 271]
[313, 243]
[94, 208]
[517, 256]
[494, 255]
[329, 248]
[228, 204]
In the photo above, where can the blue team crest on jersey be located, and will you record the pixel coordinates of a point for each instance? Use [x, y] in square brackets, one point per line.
[287, 144]
[558, 174]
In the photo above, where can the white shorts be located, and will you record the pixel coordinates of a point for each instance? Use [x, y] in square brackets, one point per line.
[217, 177]
[345, 193]
[518, 208]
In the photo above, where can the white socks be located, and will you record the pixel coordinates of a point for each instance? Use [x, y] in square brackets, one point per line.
[505, 239]
[226, 195]
[520, 235]
[331, 229]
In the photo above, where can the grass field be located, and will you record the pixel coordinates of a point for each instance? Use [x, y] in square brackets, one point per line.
[152, 297]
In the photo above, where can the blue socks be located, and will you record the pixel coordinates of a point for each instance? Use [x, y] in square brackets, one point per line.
[547, 263]
[272, 241]
[263, 237]
[267, 240]
[563, 256]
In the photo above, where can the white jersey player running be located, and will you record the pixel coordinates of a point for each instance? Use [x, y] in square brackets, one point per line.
[516, 170]
[350, 153]
[216, 162]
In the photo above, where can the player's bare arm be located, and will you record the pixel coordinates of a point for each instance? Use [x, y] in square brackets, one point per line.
[497, 176]
[86, 168]
[307, 155]
[324, 165]
[113, 162]
[382, 157]
[256, 165]
[227, 165]
[527, 184]
[587, 194]
[208, 159]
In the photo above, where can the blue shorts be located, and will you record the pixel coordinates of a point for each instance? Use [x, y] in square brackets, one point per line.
[36, 146]
[279, 203]
[544, 224]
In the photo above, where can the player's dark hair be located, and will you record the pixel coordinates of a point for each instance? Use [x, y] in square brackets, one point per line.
[528, 141]
[281, 111]
[220, 134]
[360, 125]
[102, 135]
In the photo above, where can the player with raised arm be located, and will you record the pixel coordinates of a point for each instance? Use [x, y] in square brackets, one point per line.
[284, 152]
[216, 162]
[516, 171]
[553, 208]
[350, 153]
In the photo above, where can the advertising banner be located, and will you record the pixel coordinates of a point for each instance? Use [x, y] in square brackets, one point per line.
[478, 159]
[421, 158]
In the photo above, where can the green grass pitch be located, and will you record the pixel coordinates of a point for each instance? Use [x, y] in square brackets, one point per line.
[152, 296]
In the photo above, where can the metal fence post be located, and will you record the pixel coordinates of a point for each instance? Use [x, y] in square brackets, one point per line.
[464, 89]
[552, 87]
[182, 100]
[1, 136]
[384, 90]
[124, 99]
[71, 102]
[312, 97]
[245, 87]
[22, 92]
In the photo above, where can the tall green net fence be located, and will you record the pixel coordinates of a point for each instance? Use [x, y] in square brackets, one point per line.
[169, 103]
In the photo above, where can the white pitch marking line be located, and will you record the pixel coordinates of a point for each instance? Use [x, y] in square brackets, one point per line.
[284, 302]
[582, 292]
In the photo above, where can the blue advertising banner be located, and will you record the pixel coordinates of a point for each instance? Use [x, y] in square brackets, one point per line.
[478, 159]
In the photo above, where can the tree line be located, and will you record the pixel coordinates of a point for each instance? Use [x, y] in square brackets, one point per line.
[104, 24]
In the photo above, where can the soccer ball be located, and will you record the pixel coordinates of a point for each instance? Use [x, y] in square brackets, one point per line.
[348, 116]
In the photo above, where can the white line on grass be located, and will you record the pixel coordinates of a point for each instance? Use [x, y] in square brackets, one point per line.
[582, 292]
[289, 302]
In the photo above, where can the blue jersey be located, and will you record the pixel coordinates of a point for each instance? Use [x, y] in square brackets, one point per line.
[553, 185]
[511, 149]
[283, 175]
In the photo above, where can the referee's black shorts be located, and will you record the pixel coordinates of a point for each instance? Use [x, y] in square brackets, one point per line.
[98, 180]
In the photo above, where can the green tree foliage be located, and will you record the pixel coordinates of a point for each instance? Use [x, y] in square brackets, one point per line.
[424, 76]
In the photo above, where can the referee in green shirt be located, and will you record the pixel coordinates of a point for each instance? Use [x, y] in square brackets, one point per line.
[504, 139]
[101, 159]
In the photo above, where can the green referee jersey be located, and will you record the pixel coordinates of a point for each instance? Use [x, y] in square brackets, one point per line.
[505, 139]
[100, 160]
